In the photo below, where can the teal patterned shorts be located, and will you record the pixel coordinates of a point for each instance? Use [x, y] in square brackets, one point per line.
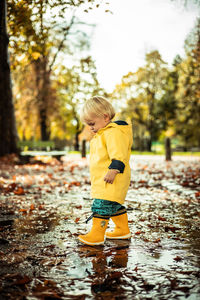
[105, 207]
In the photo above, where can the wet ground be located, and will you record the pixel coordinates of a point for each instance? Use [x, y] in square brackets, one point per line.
[44, 207]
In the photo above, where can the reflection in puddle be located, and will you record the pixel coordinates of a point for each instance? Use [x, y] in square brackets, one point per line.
[173, 255]
[33, 224]
[161, 261]
[81, 268]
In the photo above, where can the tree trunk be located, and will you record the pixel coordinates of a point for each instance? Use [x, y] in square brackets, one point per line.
[78, 131]
[149, 144]
[44, 132]
[168, 155]
[8, 133]
[43, 86]
[76, 144]
[83, 149]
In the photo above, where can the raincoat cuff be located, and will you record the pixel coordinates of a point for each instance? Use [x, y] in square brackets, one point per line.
[118, 165]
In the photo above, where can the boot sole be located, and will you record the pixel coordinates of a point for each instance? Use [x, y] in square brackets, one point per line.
[123, 237]
[90, 244]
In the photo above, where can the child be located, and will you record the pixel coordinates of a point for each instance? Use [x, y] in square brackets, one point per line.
[110, 150]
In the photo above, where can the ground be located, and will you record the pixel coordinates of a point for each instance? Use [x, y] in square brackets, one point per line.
[44, 206]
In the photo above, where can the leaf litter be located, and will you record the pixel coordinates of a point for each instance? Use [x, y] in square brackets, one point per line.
[44, 206]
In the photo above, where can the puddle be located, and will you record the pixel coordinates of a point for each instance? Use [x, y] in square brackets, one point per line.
[33, 224]
[42, 255]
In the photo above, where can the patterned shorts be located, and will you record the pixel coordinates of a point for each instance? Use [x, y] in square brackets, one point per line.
[106, 207]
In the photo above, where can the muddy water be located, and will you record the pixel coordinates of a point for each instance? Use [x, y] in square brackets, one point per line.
[44, 260]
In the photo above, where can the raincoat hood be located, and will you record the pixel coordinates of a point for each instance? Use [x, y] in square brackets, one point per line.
[121, 125]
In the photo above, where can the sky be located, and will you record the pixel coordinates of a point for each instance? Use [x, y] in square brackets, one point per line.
[135, 27]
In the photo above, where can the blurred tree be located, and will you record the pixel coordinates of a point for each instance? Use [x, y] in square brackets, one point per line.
[168, 104]
[188, 92]
[39, 33]
[187, 3]
[144, 93]
[26, 105]
[8, 135]
[29, 28]
[74, 86]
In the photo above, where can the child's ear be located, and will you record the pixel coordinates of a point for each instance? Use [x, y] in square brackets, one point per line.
[106, 117]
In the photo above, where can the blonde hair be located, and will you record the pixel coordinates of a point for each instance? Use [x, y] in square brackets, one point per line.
[97, 106]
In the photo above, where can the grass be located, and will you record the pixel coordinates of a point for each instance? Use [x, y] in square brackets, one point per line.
[152, 153]
[163, 153]
[187, 153]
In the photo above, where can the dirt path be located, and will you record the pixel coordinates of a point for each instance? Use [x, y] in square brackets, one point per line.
[44, 208]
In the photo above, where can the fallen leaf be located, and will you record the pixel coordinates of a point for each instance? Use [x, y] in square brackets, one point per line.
[19, 191]
[138, 232]
[178, 258]
[161, 218]
[32, 207]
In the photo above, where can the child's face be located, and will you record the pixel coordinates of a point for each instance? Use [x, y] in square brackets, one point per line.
[97, 122]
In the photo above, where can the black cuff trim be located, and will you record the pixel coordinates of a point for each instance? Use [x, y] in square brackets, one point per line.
[117, 165]
[119, 212]
[100, 216]
[95, 215]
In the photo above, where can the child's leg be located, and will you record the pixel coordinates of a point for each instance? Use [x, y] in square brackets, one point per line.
[102, 210]
[105, 207]
[121, 230]
[100, 222]
[96, 236]
[118, 215]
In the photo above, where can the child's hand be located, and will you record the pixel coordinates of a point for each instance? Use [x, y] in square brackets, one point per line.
[110, 176]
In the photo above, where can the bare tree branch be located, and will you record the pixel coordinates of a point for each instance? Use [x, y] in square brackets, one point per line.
[67, 29]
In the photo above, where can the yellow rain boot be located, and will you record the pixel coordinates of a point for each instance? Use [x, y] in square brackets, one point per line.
[121, 230]
[97, 234]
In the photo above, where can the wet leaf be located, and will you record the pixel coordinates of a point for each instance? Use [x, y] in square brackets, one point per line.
[19, 191]
[147, 286]
[138, 232]
[160, 218]
[178, 258]
[22, 280]
[23, 210]
[32, 207]
[79, 206]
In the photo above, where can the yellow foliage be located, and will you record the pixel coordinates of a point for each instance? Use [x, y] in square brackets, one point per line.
[169, 132]
[35, 55]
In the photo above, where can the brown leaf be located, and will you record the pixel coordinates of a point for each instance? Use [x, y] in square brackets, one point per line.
[40, 207]
[172, 228]
[32, 207]
[10, 187]
[22, 281]
[19, 191]
[79, 206]
[138, 232]
[23, 210]
[157, 240]
[197, 194]
[178, 258]
[76, 183]
[161, 218]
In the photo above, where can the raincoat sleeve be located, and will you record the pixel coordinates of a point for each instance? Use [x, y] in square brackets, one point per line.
[117, 143]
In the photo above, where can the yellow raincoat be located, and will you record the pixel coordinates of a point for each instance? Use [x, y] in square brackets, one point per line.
[111, 148]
